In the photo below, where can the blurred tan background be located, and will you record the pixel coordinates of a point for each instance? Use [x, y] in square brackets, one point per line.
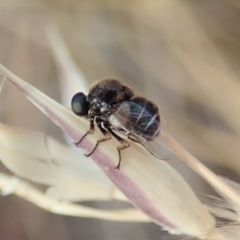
[184, 55]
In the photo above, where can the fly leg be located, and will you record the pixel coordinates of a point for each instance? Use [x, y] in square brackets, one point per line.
[133, 139]
[124, 145]
[90, 131]
[106, 134]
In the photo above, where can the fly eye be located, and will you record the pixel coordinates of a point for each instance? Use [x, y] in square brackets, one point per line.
[79, 104]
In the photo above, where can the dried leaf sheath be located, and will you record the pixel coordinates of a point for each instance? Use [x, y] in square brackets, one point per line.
[151, 185]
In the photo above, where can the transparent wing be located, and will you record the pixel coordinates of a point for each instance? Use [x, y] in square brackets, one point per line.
[164, 121]
[159, 147]
[138, 120]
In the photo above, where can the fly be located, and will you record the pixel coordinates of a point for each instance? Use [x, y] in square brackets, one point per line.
[114, 107]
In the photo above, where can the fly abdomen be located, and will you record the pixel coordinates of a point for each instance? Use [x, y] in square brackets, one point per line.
[144, 118]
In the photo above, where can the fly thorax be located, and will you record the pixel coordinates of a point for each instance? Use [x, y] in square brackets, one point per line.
[95, 106]
[105, 109]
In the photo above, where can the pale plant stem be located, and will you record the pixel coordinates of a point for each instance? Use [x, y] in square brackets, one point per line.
[203, 171]
[28, 192]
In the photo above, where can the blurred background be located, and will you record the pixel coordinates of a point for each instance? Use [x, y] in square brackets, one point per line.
[183, 55]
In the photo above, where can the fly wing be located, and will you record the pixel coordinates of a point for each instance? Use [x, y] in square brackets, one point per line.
[136, 120]
[159, 147]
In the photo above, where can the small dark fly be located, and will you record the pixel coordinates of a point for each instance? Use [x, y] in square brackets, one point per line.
[114, 108]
